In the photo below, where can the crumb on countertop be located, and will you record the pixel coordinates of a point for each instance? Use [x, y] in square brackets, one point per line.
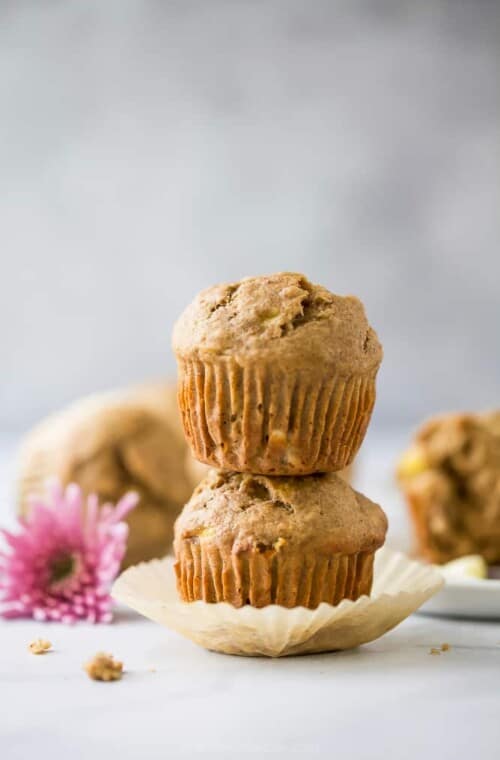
[39, 646]
[102, 667]
[437, 650]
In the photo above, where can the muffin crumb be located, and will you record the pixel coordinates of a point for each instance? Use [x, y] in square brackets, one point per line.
[102, 667]
[434, 650]
[445, 647]
[39, 646]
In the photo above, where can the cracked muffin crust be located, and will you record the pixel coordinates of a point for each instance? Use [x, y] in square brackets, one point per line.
[276, 375]
[451, 479]
[252, 539]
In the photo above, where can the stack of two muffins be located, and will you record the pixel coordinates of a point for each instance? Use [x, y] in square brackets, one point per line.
[276, 389]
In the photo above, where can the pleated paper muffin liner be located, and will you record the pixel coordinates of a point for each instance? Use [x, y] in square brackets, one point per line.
[262, 419]
[269, 577]
[400, 587]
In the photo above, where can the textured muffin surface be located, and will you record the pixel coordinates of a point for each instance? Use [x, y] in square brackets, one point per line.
[317, 512]
[451, 479]
[276, 376]
[257, 540]
[280, 315]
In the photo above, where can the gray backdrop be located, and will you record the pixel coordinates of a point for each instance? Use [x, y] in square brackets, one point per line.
[148, 149]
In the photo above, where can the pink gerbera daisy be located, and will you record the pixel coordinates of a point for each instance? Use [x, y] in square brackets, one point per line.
[61, 563]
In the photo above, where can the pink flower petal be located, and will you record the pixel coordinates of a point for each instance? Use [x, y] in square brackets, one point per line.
[59, 527]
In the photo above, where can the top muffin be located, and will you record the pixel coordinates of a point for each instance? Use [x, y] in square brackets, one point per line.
[281, 316]
[276, 375]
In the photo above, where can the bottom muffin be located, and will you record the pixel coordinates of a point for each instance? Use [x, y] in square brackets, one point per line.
[252, 539]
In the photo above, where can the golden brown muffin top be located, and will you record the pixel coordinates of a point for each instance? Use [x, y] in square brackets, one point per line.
[241, 512]
[281, 316]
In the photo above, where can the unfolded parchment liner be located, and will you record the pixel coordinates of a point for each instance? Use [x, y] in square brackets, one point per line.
[400, 587]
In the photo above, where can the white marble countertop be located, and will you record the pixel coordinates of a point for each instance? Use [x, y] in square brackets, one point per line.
[388, 699]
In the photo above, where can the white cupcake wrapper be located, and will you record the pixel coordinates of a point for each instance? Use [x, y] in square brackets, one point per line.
[400, 587]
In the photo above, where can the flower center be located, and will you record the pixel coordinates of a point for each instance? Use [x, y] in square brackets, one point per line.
[61, 568]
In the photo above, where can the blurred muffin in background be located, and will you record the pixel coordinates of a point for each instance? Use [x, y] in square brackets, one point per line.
[347, 473]
[110, 443]
[196, 470]
[451, 479]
